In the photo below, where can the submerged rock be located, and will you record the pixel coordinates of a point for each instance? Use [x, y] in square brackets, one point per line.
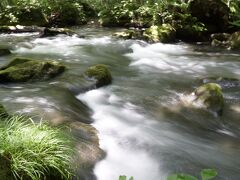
[164, 33]
[4, 52]
[22, 70]
[224, 82]
[213, 13]
[101, 73]
[130, 34]
[210, 96]
[48, 32]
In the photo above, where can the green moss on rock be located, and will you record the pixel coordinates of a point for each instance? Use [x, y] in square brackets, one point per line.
[4, 52]
[130, 34]
[164, 33]
[210, 95]
[22, 70]
[101, 73]
[234, 40]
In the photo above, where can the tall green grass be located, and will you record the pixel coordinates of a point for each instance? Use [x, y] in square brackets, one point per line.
[35, 151]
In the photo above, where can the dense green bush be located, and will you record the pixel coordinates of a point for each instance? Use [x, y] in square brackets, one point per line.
[33, 151]
[43, 12]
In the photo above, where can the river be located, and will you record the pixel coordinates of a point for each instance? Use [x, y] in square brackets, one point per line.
[142, 125]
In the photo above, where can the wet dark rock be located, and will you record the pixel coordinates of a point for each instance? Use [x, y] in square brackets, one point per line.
[19, 29]
[3, 112]
[4, 52]
[48, 32]
[224, 82]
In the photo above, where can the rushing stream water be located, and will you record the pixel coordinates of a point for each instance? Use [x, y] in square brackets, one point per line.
[143, 127]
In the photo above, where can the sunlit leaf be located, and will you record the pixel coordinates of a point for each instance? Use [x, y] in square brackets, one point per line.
[122, 177]
[208, 174]
[181, 177]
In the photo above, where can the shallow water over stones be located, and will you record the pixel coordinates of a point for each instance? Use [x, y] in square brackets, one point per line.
[143, 126]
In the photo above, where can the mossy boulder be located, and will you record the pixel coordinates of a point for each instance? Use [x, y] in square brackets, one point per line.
[101, 73]
[22, 70]
[164, 33]
[210, 96]
[130, 34]
[4, 52]
[213, 13]
[234, 40]
[230, 41]
[49, 32]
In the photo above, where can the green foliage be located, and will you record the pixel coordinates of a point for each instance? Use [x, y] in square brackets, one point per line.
[206, 174]
[181, 177]
[34, 151]
[125, 178]
[234, 6]
[48, 12]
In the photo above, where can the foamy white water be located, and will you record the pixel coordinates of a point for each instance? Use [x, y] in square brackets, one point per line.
[119, 126]
[176, 59]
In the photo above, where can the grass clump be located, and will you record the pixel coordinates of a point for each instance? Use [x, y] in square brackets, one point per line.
[34, 151]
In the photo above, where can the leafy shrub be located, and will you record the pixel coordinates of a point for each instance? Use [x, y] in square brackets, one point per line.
[206, 174]
[34, 151]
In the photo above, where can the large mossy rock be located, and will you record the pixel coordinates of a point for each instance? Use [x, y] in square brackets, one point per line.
[230, 41]
[213, 13]
[22, 70]
[49, 32]
[101, 73]
[210, 96]
[234, 40]
[164, 33]
[4, 52]
[130, 34]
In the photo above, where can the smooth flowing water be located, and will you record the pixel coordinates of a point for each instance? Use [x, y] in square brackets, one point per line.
[142, 124]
